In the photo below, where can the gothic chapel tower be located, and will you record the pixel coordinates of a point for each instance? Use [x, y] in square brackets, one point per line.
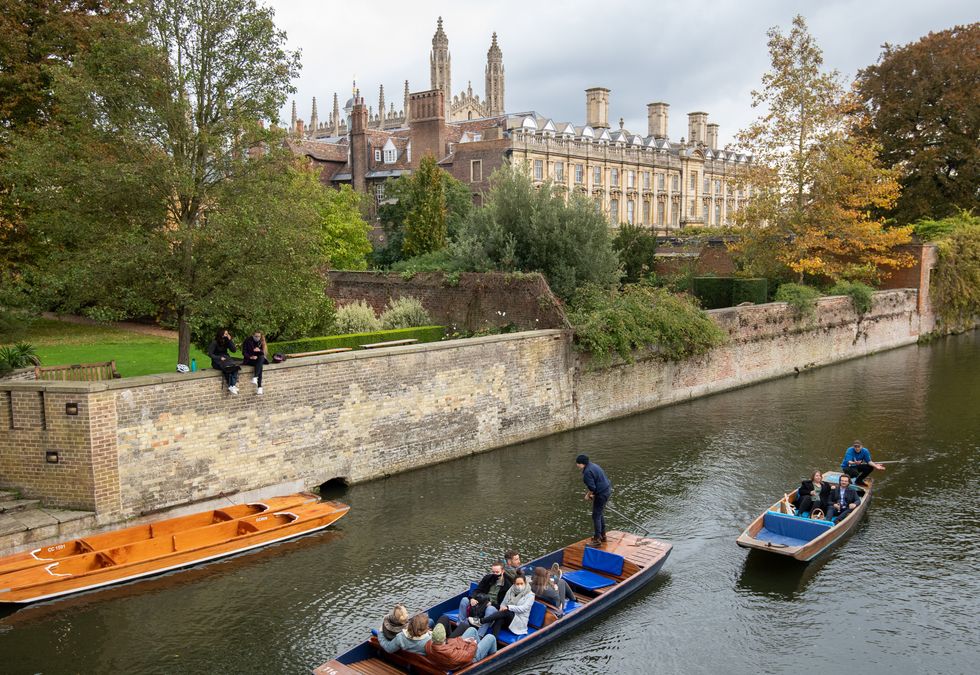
[439, 62]
[495, 79]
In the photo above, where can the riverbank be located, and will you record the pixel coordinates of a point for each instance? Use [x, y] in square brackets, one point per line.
[148, 444]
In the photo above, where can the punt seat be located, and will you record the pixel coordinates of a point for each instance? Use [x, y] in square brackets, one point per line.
[597, 568]
[535, 621]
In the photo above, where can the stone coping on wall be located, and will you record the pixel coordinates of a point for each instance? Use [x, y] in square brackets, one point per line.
[168, 378]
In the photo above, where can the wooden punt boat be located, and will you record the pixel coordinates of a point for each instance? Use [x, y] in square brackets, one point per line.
[144, 550]
[779, 530]
[601, 578]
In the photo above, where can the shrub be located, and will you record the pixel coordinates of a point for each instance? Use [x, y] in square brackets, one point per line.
[801, 298]
[714, 292]
[406, 312]
[421, 333]
[357, 317]
[640, 316]
[19, 355]
[755, 291]
[957, 279]
[636, 246]
[861, 294]
[436, 261]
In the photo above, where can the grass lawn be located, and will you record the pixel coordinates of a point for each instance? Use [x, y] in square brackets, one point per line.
[59, 343]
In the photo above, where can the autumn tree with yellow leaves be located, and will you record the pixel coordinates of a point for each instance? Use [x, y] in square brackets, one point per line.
[814, 182]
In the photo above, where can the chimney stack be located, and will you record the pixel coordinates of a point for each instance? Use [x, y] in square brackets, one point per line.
[427, 120]
[597, 107]
[697, 128]
[358, 145]
[657, 119]
[713, 136]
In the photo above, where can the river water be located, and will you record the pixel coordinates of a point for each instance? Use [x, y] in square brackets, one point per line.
[901, 595]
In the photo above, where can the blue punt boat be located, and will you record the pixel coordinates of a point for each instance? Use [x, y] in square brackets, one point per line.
[600, 577]
[783, 531]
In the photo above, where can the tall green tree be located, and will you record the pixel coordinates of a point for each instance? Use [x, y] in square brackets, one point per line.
[921, 101]
[425, 223]
[526, 228]
[156, 191]
[344, 232]
[401, 195]
[814, 184]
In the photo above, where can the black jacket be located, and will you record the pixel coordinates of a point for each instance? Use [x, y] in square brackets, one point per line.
[806, 487]
[249, 356]
[850, 496]
[219, 350]
[487, 582]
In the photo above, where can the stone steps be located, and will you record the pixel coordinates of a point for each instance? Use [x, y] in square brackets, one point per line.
[25, 523]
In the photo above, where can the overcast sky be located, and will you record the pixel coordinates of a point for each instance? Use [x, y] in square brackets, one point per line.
[693, 54]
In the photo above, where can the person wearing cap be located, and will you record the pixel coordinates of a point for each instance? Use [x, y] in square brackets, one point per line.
[458, 652]
[857, 463]
[599, 491]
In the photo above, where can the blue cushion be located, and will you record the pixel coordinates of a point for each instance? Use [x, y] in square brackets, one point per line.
[794, 527]
[779, 539]
[587, 580]
[603, 561]
[536, 617]
[453, 615]
[571, 606]
[509, 638]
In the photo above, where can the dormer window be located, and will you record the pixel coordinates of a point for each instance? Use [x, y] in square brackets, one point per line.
[377, 155]
[390, 152]
[408, 152]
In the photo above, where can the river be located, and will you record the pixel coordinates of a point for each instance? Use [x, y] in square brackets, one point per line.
[901, 595]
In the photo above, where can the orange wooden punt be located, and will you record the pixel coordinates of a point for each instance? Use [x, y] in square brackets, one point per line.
[170, 544]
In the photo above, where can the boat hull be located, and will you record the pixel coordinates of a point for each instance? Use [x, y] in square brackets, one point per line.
[817, 546]
[81, 573]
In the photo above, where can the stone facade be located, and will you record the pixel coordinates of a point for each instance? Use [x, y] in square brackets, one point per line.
[139, 445]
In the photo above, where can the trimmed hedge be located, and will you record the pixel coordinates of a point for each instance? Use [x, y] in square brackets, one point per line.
[750, 290]
[353, 340]
[714, 292]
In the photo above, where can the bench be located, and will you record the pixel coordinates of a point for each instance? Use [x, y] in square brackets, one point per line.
[596, 565]
[782, 529]
[390, 343]
[79, 372]
[319, 352]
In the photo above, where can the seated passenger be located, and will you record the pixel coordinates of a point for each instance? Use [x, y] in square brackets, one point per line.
[471, 612]
[546, 589]
[512, 568]
[458, 652]
[412, 639]
[857, 463]
[514, 610]
[813, 494]
[843, 500]
[391, 627]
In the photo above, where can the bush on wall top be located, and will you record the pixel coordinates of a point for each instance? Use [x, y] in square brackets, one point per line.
[353, 340]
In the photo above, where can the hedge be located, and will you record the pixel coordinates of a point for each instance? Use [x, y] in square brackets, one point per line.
[422, 334]
[750, 290]
[714, 292]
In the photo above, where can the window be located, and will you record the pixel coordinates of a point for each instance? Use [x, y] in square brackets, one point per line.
[646, 212]
[694, 179]
[377, 155]
[379, 192]
[390, 155]
[717, 213]
[579, 173]
[476, 170]
[614, 177]
[661, 209]
[560, 172]
[630, 180]
[675, 216]
[614, 211]
[675, 183]
[408, 152]
[693, 211]
[630, 207]
[646, 180]
[717, 186]
[538, 169]
[597, 175]
[707, 185]
[661, 181]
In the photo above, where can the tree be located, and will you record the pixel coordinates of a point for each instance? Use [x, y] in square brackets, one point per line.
[531, 229]
[813, 182]
[345, 234]
[156, 191]
[401, 195]
[425, 222]
[921, 101]
[636, 246]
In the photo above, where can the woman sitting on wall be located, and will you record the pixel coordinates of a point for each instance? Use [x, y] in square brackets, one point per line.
[219, 351]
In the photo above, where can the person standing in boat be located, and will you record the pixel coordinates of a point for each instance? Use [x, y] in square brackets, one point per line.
[843, 500]
[857, 463]
[599, 491]
[813, 494]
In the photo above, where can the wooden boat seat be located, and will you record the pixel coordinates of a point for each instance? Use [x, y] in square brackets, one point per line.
[374, 666]
[781, 529]
[414, 662]
[142, 550]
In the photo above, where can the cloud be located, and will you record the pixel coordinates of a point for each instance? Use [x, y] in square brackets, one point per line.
[695, 55]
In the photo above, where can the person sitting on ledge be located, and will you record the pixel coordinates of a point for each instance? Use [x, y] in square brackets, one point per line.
[458, 652]
[255, 353]
[514, 610]
[813, 494]
[412, 639]
[857, 463]
[219, 351]
[843, 500]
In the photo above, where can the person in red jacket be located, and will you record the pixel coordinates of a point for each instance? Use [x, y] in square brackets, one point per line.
[455, 653]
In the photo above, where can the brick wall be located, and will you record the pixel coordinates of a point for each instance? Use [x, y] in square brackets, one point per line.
[144, 444]
[476, 302]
